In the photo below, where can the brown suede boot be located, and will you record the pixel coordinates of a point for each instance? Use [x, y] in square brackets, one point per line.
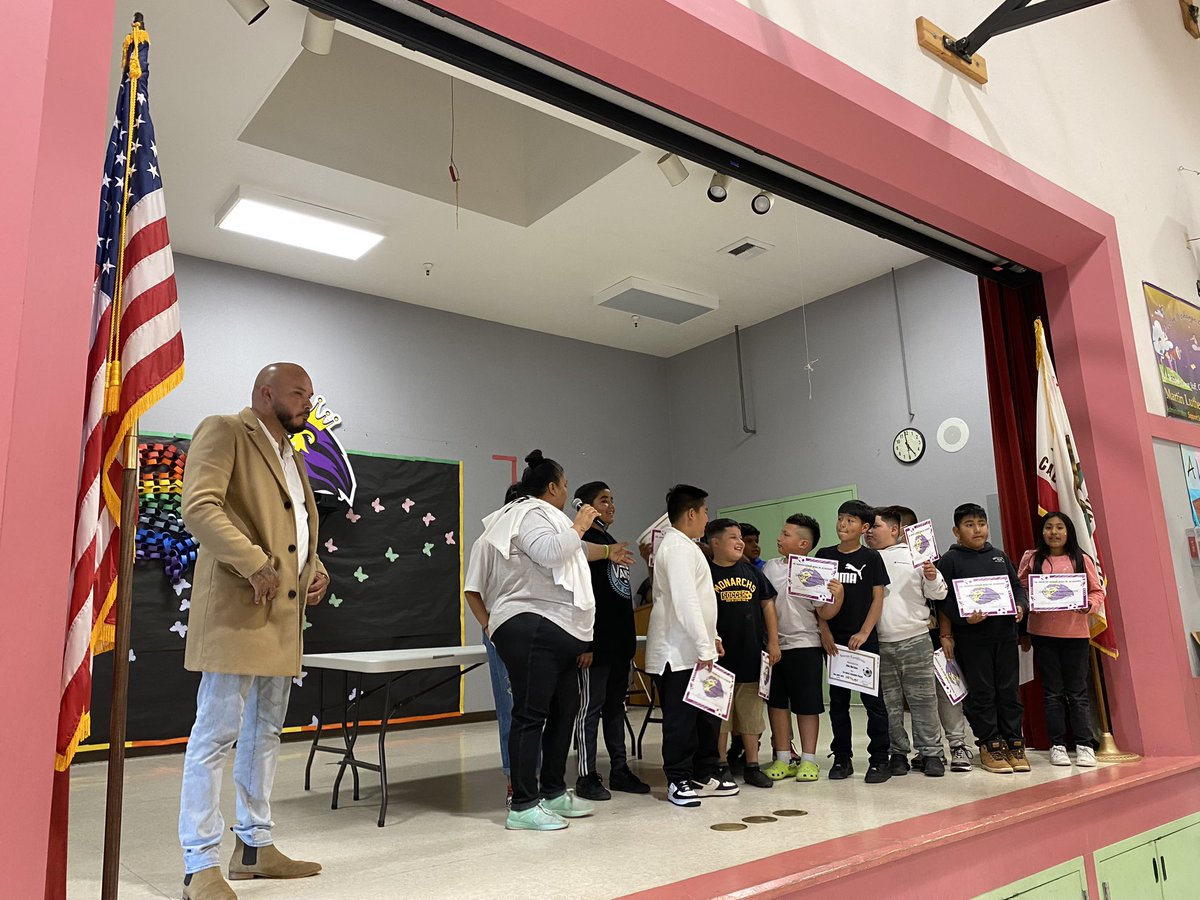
[992, 758]
[1014, 752]
[266, 862]
[207, 884]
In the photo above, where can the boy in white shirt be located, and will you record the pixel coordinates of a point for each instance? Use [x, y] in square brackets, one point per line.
[682, 635]
[905, 653]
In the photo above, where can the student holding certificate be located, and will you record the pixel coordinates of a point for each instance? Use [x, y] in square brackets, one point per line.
[984, 644]
[1060, 637]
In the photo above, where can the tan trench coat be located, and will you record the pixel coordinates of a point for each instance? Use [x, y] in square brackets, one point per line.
[236, 504]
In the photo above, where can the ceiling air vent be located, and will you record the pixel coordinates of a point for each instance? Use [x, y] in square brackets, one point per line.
[747, 248]
[655, 301]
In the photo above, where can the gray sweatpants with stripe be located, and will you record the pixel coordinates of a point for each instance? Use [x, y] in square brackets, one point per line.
[906, 673]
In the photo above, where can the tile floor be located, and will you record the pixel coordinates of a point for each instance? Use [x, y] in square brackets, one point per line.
[445, 835]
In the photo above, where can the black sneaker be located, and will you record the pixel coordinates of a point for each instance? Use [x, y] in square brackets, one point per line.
[917, 763]
[624, 780]
[590, 787]
[878, 772]
[960, 759]
[935, 767]
[898, 764]
[842, 768]
[681, 793]
[754, 777]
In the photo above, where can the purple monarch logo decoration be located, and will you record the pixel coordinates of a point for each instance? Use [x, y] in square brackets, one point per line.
[325, 459]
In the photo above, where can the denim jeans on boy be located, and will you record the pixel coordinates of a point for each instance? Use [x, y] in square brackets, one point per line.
[250, 710]
[502, 695]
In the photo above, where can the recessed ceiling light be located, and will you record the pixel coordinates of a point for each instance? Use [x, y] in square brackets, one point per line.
[287, 221]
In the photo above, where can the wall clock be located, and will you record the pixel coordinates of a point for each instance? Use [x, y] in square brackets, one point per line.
[908, 446]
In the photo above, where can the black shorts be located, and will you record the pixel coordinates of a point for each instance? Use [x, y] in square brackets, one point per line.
[796, 682]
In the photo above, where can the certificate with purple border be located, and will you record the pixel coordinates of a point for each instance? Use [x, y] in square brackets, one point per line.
[922, 543]
[990, 595]
[1056, 593]
[809, 577]
[711, 690]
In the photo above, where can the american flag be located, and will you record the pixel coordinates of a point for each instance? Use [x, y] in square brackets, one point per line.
[146, 342]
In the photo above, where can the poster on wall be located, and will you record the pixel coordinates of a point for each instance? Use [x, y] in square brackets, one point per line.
[1191, 474]
[388, 534]
[1175, 335]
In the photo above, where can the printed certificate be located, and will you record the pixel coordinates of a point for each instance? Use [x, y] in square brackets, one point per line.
[764, 676]
[653, 535]
[922, 542]
[809, 577]
[857, 670]
[711, 690]
[991, 595]
[1052, 593]
[950, 677]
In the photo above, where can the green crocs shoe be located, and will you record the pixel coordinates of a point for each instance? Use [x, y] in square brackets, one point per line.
[534, 819]
[779, 770]
[808, 771]
[568, 805]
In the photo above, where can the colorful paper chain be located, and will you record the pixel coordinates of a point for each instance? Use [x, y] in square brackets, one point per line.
[161, 533]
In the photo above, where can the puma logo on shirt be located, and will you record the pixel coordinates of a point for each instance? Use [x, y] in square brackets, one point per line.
[853, 575]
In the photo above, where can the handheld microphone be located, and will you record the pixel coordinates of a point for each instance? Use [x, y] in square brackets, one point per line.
[597, 523]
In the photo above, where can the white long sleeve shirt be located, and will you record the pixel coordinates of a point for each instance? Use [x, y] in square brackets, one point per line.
[905, 611]
[683, 622]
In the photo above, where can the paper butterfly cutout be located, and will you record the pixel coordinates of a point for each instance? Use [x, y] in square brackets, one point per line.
[353, 693]
[185, 604]
[408, 504]
[449, 537]
[299, 680]
[377, 506]
[391, 555]
[427, 518]
[307, 624]
[180, 586]
[132, 656]
[361, 575]
[180, 628]
[352, 515]
[428, 551]
[314, 723]
[335, 601]
[331, 546]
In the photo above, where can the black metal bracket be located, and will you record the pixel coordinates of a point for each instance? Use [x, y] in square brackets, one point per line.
[1009, 16]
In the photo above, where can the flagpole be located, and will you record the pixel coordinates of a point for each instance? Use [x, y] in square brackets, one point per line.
[1109, 751]
[120, 680]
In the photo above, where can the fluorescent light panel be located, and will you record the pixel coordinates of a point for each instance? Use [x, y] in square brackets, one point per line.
[287, 221]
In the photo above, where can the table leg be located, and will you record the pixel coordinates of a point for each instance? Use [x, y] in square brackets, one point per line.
[383, 726]
[312, 751]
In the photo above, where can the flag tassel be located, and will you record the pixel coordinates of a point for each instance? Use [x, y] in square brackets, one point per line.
[112, 388]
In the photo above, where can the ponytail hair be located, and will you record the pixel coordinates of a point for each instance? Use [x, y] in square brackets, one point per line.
[539, 474]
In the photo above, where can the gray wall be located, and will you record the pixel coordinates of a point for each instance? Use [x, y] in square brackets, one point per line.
[843, 435]
[412, 381]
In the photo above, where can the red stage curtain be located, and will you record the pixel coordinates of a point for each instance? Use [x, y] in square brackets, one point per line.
[1008, 315]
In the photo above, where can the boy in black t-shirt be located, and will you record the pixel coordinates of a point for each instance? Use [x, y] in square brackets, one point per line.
[863, 576]
[747, 624]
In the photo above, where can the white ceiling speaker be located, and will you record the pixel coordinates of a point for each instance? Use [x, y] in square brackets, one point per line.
[318, 33]
[718, 188]
[250, 10]
[762, 203]
[673, 169]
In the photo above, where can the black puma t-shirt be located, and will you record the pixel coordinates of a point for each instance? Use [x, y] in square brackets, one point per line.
[859, 571]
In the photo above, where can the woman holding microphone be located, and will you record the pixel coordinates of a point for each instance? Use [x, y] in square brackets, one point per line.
[541, 623]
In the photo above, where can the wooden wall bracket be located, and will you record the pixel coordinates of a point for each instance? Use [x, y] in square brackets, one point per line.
[1191, 16]
[935, 41]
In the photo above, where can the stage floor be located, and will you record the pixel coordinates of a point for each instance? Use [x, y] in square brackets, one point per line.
[445, 837]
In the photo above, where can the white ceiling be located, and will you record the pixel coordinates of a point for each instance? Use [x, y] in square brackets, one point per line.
[211, 75]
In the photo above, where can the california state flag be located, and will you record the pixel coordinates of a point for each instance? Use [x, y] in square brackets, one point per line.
[1060, 484]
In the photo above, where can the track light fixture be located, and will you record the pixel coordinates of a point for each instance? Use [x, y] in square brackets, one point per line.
[762, 203]
[718, 188]
[318, 32]
[673, 169]
[250, 10]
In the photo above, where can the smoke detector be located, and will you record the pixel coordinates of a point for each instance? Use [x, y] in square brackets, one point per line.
[655, 301]
[746, 248]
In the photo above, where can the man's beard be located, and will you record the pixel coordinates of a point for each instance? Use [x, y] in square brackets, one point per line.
[292, 425]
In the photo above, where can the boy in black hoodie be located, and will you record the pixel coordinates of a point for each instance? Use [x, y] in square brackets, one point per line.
[985, 647]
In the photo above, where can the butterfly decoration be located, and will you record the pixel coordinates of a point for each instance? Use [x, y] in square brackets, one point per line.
[408, 504]
[331, 546]
[361, 575]
[180, 586]
[314, 723]
[179, 628]
[307, 624]
[132, 655]
[450, 537]
[353, 694]
[335, 601]
[352, 516]
[427, 518]
[391, 555]
[377, 506]
[298, 681]
[185, 604]
[428, 551]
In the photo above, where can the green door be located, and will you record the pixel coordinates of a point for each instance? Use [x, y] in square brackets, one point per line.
[1179, 863]
[1066, 887]
[1132, 875]
[768, 516]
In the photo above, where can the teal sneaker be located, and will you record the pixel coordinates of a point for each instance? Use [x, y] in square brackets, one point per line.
[808, 771]
[568, 806]
[779, 770]
[534, 819]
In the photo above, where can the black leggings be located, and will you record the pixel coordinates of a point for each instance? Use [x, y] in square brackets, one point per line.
[1063, 665]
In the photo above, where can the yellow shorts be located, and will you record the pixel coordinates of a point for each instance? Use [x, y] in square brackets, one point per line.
[746, 715]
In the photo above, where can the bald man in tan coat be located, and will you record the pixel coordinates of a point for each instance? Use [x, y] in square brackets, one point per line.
[247, 500]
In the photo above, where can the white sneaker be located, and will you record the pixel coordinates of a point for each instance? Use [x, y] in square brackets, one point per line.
[681, 793]
[1085, 756]
[719, 785]
[1058, 756]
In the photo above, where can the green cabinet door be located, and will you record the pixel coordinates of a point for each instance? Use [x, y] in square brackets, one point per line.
[1067, 887]
[1179, 863]
[1132, 875]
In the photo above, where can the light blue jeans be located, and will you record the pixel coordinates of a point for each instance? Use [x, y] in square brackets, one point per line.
[502, 695]
[250, 710]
